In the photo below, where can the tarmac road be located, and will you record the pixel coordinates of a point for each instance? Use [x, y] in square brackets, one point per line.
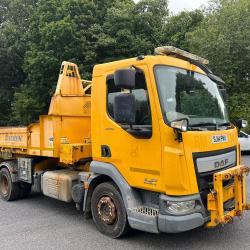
[43, 223]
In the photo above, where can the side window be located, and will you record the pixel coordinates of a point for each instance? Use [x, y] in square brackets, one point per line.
[143, 112]
[88, 90]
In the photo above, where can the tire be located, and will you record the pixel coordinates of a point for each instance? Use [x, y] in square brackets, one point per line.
[9, 191]
[108, 210]
[25, 189]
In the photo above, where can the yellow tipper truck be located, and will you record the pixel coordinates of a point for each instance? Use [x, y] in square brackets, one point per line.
[147, 144]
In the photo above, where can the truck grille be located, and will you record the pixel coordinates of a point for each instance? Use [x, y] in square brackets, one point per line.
[205, 166]
[147, 211]
[53, 187]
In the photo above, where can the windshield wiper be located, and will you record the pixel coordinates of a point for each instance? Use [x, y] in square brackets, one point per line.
[204, 124]
[226, 124]
[216, 125]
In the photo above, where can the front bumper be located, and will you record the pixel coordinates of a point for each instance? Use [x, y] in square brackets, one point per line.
[168, 223]
[217, 211]
[163, 222]
[178, 224]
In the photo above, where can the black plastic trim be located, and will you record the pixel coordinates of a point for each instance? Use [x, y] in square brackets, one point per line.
[213, 153]
[201, 177]
[207, 154]
[105, 151]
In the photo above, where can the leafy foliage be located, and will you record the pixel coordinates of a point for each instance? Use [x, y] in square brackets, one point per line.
[37, 35]
[84, 32]
[177, 28]
[224, 38]
[14, 20]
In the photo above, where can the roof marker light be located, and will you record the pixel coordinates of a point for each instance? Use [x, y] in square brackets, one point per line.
[182, 54]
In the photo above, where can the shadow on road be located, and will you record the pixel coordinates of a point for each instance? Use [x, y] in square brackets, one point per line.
[39, 222]
[217, 238]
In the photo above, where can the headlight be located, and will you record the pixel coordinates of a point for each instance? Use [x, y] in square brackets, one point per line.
[180, 207]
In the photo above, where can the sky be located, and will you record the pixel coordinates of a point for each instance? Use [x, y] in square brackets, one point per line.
[176, 6]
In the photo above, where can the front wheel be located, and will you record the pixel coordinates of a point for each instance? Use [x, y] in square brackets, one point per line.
[9, 190]
[108, 210]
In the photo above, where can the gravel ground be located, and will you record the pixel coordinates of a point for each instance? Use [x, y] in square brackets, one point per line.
[43, 223]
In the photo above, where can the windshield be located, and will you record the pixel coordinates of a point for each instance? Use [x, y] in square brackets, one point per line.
[189, 95]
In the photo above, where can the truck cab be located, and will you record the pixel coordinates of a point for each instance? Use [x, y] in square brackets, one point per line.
[161, 121]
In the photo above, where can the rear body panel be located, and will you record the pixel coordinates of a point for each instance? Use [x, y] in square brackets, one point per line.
[68, 122]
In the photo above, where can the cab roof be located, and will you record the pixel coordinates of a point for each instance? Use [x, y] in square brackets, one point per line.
[151, 61]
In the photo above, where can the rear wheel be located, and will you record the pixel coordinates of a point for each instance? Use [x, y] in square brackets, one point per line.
[9, 190]
[108, 210]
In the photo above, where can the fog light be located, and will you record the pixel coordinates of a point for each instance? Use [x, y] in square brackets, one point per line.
[180, 207]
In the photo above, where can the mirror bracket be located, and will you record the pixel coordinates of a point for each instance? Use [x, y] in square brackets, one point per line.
[241, 123]
[178, 135]
[179, 126]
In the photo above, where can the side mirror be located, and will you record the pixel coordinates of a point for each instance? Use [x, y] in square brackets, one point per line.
[240, 123]
[180, 125]
[224, 94]
[124, 108]
[125, 78]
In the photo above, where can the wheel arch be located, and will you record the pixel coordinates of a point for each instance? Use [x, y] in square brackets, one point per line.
[93, 182]
[104, 172]
[12, 168]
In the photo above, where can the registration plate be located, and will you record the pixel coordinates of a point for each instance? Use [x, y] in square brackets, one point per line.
[219, 139]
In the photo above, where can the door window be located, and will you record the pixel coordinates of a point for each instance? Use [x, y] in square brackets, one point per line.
[143, 112]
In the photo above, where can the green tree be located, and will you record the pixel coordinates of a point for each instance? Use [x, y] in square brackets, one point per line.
[36, 36]
[177, 27]
[14, 20]
[224, 38]
[84, 32]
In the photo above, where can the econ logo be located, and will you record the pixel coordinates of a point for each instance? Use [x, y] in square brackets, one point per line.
[13, 138]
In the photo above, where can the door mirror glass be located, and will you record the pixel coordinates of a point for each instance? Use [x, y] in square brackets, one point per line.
[240, 123]
[125, 78]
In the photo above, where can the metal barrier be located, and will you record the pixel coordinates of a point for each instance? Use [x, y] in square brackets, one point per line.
[219, 195]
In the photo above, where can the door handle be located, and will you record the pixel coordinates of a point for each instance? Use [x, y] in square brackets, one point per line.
[105, 150]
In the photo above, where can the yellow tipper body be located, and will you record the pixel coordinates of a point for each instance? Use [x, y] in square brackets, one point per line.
[65, 132]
